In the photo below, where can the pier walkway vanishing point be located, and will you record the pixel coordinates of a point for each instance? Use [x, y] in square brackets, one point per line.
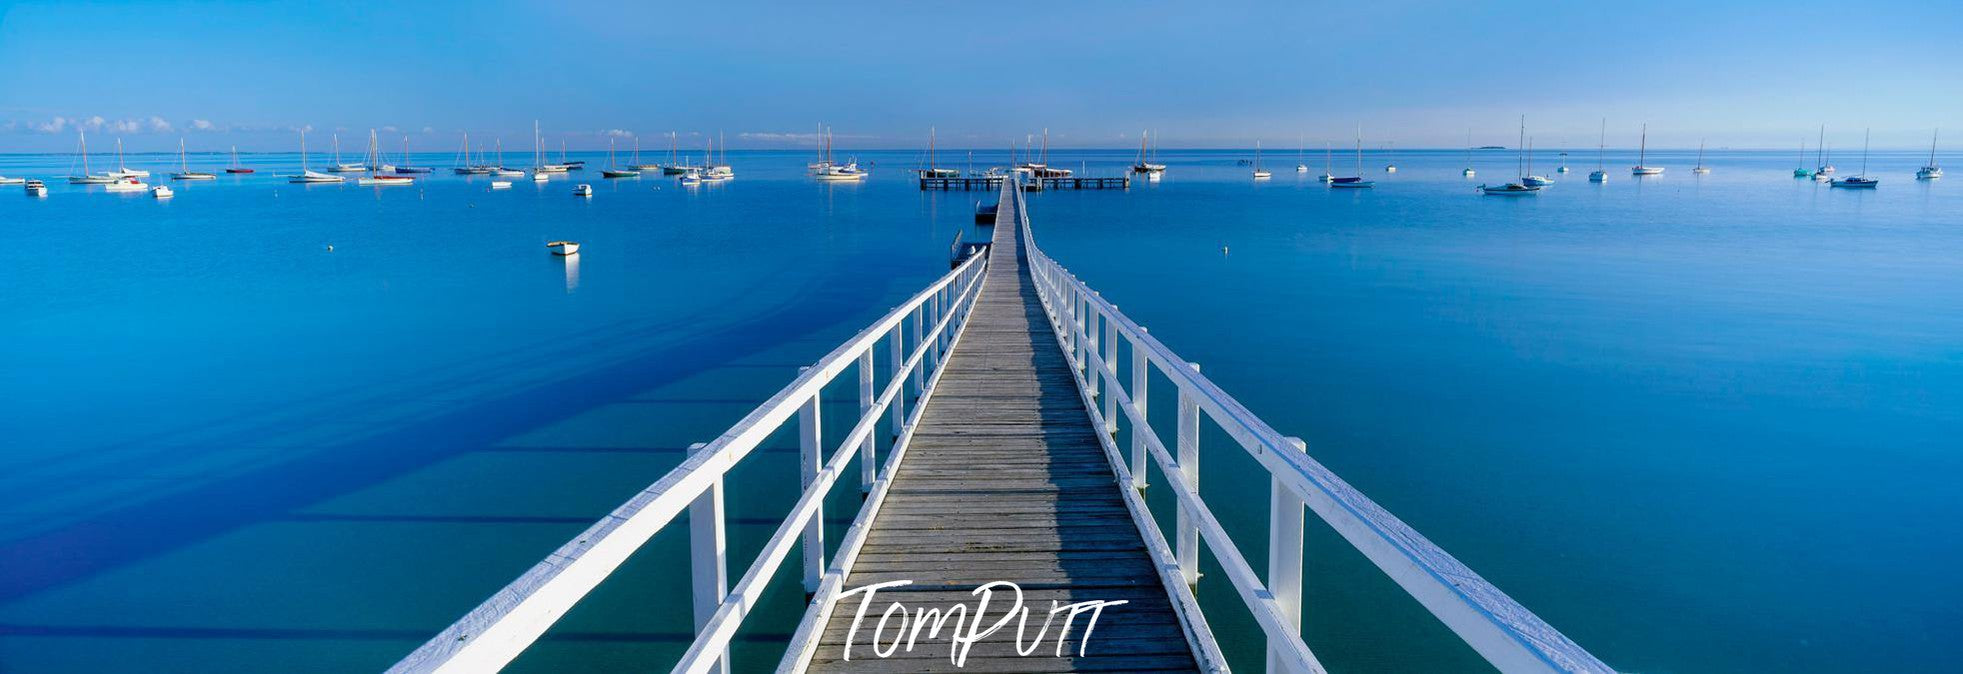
[1000, 406]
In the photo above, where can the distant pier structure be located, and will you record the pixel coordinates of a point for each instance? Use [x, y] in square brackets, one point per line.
[1029, 183]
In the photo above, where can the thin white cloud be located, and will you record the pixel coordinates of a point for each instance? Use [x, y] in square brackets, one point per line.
[779, 137]
[202, 125]
[390, 129]
[159, 124]
[617, 133]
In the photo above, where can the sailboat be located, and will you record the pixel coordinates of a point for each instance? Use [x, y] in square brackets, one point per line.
[674, 166]
[375, 177]
[1041, 167]
[637, 165]
[1825, 157]
[1356, 181]
[1564, 161]
[500, 170]
[1328, 163]
[1526, 184]
[340, 167]
[1601, 174]
[87, 178]
[612, 171]
[1932, 171]
[236, 167]
[1145, 164]
[1468, 172]
[308, 175]
[1642, 154]
[1527, 176]
[125, 171]
[1260, 173]
[1700, 168]
[465, 166]
[184, 171]
[1802, 171]
[830, 171]
[934, 169]
[405, 167]
[1391, 166]
[719, 169]
[1861, 181]
[1300, 166]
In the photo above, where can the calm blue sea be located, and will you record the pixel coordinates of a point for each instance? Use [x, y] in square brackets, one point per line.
[1699, 423]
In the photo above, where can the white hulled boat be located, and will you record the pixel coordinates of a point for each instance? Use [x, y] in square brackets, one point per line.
[308, 175]
[1642, 154]
[1700, 169]
[375, 176]
[1933, 170]
[1260, 173]
[1601, 174]
[87, 178]
[344, 168]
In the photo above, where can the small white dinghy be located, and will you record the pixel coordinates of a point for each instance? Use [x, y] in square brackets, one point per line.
[583, 190]
[564, 248]
[162, 192]
[500, 184]
[540, 176]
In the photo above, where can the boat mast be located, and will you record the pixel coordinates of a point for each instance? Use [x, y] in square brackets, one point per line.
[1820, 148]
[85, 151]
[931, 165]
[1602, 147]
[303, 152]
[1359, 150]
[374, 153]
[1257, 156]
[1932, 146]
[1865, 136]
[1519, 151]
[637, 152]
[183, 160]
[1642, 150]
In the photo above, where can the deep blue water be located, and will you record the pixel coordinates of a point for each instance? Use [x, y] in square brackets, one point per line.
[1699, 423]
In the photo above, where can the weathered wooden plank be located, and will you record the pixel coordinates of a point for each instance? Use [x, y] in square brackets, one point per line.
[1005, 480]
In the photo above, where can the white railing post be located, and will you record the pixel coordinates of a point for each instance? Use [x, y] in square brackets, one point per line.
[708, 555]
[933, 318]
[1109, 373]
[898, 358]
[1091, 346]
[810, 441]
[1185, 529]
[919, 330]
[1141, 370]
[1285, 517]
[867, 471]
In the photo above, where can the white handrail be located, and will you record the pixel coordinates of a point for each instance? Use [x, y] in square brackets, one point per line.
[1506, 634]
[498, 630]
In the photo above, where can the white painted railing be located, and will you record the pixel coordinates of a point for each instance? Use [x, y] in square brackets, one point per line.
[1088, 328]
[497, 631]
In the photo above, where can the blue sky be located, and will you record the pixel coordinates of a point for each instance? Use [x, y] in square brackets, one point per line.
[1746, 74]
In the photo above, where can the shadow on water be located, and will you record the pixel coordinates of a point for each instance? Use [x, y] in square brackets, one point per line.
[617, 367]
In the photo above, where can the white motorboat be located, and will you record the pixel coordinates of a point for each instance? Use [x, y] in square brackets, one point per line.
[162, 192]
[1642, 154]
[126, 184]
[540, 176]
[379, 180]
[500, 184]
[694, 178]
[846, 172]
[36, 188]
[563, 248]
[1390, 167]
[583, 190]
[11, 181]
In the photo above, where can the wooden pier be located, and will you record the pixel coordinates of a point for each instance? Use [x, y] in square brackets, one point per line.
[1002, 396]
[1005, 480]
[1029, 184]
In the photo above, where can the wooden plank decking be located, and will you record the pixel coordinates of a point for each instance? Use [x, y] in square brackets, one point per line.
[1004, 480]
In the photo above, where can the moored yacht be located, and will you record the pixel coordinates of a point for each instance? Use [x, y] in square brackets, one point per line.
[308, 175]
[1601, 174]
[1642, 154]
[184, 171]
[344, 168]
[36, 188]
[1355, 181]
[1260, 173]
[126, 184]
[1933, 170]
[1861, 181]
